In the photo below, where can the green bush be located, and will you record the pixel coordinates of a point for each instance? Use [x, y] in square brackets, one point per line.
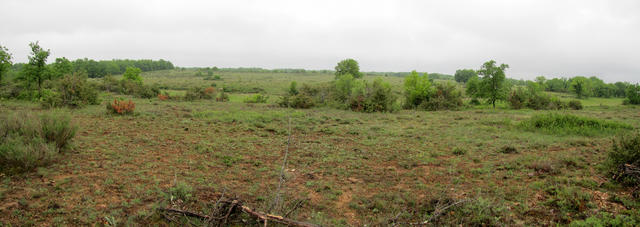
[633, 94]
[625, 150]
[446, 96]
[575, 104]
[222, 96]
[630, 218]
[28, 141]
[197, 93]
[72, 90]
[518, 98]
[258, 98]
[564, 124]
[374, 97]
[417, 89]
[302, 99]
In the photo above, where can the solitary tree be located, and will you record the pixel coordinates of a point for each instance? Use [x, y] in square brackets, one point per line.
[133, 74]
[417, 89]
[5, 61]
[492, 84]
[580, 86]
[348, 66]
[463, 75]
[36, 68]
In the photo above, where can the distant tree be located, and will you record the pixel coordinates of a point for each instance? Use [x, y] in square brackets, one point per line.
[348, 66]
[557, 85]
[633, 94]
[35, 70]
[133, 74]
[492, 84]
[463, 75]
[473, 87]
[580, 86]
[5, 61]
[62, 67]
[293, 88]
[542, 82]
[621, 89]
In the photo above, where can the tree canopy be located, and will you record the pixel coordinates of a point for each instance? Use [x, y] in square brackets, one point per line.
[463, 75]
[348, 66]
[5, 61]
[492, 85]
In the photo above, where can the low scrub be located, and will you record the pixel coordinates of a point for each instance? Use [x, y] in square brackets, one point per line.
[197, 93]
[624, 155]
[28, 141]
[129, 87]
[72, 91]
[371, 97]
[258, 98]
[301, 99]
[121, 107]
[535, 99]
[564, 124]
[419, 93]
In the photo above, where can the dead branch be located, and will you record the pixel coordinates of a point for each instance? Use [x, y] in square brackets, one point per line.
[238, 204]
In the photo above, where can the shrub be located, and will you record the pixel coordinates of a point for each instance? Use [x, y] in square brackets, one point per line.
[302, 98]
[121, 107]
[258, 98]
[222, 96]
[459, 151]
[417, 89]
[575, 104]
[197, 93]
[569, 124]
[73, 91]
[569, 201]
[374, 97]
[132, 74]
[625, 150]
[446, 96]
[28, 141]
[163, 97]
[539, 101]
[518, 98]
[131, 87]
[633, 94]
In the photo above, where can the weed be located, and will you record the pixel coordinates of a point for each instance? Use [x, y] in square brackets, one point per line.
[565, 124]
[121, 107]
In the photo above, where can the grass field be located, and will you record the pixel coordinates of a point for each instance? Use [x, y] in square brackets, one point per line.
[351, 168]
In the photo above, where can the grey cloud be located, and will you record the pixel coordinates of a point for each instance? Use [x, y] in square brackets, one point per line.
[552, 38]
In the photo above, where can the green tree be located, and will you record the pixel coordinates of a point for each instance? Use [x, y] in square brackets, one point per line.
[580, 86]
[133, 74]
[37, 66]
[348, 66]
[62, 67]
[542, 82]
[463, 75]
[473, 87]
[492, 84]
[417, 89]
[343, 87]
[5, 61]
[633, 94]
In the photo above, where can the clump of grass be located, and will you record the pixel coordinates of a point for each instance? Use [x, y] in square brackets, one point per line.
[28, 141]
[459, 151]
[565, 124]
[508, 150]
[571, 202]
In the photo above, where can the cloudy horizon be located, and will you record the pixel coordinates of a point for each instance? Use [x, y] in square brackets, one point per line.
[550, 38]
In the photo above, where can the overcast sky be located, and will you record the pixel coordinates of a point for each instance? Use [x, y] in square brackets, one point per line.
[551, 38]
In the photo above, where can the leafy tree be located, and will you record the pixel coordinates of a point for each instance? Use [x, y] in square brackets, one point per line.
[580, 86]
[541, 80]
[5, 61]
[621, 89]
[417, 89]
[132, 74]
[557, 85]
[463, 75]
[633, 94]
[473, 87]
[492, 84]
[62, 67]
[36, 68]
[348, 66]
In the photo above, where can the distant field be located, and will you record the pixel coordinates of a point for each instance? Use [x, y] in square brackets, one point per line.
[352, 169]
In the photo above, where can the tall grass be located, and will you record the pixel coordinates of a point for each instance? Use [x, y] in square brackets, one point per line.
[28, 141]
[565, 124]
